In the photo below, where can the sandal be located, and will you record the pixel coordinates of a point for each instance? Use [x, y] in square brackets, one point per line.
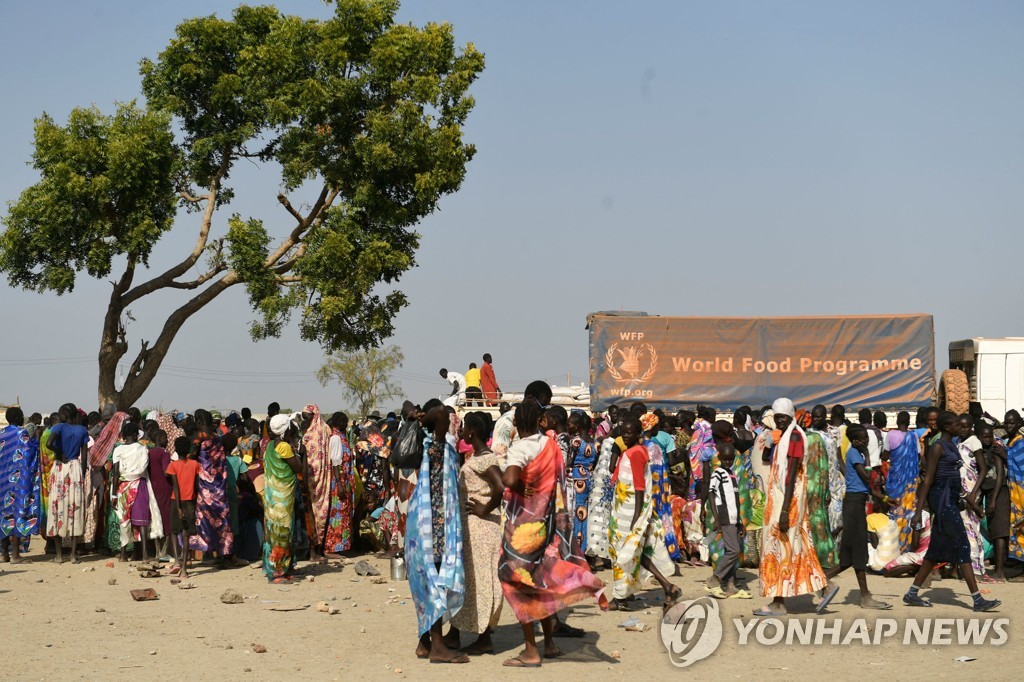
[741, 594]
[986, 578]
[518, 662]
[769, 612]
[716, 592]
[827, 598]
[456, 658]
[557, 653]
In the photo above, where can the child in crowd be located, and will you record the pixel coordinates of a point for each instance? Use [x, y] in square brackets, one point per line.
[184, 475]
[853, 548]
[725, 506]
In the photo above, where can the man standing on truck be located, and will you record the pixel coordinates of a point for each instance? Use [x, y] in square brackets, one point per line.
[489, 382]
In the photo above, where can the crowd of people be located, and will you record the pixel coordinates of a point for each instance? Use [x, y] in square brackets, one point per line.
[530, 507]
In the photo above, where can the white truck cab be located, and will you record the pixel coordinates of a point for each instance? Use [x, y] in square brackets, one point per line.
[989, 371]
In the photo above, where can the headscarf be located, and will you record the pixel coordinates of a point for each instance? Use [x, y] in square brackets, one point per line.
[105, 442]
[167, 425]
[784, 406]
[649, 421]
[768, 419]
[317, 441]
[803, 418]
[279, 424]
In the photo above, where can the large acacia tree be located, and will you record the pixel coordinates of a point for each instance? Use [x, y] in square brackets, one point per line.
[363, 114]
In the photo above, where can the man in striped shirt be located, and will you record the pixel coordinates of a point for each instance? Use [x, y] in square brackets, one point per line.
[725, 502]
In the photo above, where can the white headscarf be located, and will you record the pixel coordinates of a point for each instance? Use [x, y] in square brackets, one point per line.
[784, 406]
[781, 458]
[279, 424]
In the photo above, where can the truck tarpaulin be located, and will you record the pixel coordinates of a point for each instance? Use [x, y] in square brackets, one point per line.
[868, 361]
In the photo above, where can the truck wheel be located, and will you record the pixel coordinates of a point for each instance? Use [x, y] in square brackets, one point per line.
[954, 391]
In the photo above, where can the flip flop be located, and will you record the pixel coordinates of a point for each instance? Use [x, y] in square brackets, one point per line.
[765, 612]
[457, 658]
[827, 599]
[281, 581]
[557, 653]
[518, 662]
[741, 594]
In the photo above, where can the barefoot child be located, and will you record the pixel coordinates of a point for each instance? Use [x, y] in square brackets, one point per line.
[184, 475]
[853, 548]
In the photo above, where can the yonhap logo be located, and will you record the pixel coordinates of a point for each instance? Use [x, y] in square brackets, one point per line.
[691, 631]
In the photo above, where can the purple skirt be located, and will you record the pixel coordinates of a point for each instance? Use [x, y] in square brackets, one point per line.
[140, 510]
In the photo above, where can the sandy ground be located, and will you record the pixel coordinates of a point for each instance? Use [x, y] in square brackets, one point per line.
[68, 622]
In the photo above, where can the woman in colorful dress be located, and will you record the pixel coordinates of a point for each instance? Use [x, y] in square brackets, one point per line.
[481, 489]
[281, 471]
[971, 473]
[138, 513]
[339, 523]
[1012, 422]
[19, 486]
[636, 534]
[816, 466]
[433, 551]
[539, 572]
[789, 564]
[583, 457]
[316, 442]
[941, 489]
[65, 516]
[599, 504]
[213, 521]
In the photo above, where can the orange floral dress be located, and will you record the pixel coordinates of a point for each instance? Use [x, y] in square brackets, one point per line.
[789, 563]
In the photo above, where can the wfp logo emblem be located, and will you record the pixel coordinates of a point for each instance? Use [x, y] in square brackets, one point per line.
[629, 364]
[691, 631]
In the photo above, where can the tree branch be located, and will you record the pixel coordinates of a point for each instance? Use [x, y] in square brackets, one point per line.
[168, 276]
[192, 199]
[291, 209]
[326, 198]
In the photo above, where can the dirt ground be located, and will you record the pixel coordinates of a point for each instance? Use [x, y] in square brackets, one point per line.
[69, 622]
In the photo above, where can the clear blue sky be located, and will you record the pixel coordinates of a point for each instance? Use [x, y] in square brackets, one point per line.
[684, 158]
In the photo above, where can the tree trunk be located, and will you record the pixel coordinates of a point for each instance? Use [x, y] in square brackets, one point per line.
[146, 364]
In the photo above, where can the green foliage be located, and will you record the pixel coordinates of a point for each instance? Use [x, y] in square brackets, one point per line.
[365, 376]
[367, 111]
[106, 189]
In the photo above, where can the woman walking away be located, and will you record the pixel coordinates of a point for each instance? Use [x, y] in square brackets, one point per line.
[433, 549]
[19, 486]
[339, 520]
[480, 489]
[539, 573]
[637, 539]
[281, 468]
[942, 488]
